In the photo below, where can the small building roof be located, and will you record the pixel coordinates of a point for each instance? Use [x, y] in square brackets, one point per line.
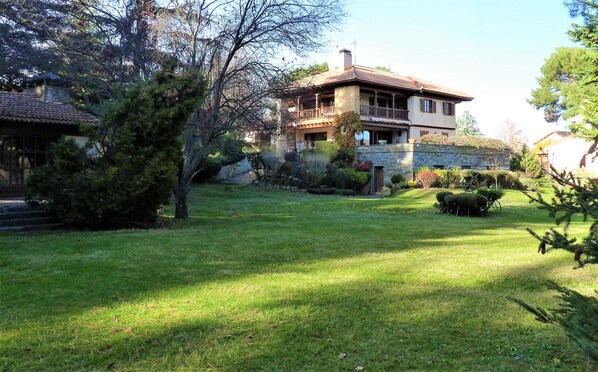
[28, 108]
[562, 133]
[393, 80]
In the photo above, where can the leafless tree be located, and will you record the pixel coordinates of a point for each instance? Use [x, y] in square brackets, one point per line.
[510, 132]
[244, 49]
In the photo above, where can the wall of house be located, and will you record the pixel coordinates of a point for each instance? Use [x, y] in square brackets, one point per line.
[415, 131]
[406, 158]
[346, 99]
[437, 119]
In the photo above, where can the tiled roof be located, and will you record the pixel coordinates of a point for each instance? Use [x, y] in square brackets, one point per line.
[562, 133]
[28, 108]
[382, 78]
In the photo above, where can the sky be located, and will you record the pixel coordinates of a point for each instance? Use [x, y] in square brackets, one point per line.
[491, 49]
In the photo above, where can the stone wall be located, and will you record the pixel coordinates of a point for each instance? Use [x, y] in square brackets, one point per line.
[404, 158]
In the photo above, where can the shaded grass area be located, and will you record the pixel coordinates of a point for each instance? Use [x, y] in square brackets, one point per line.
[261, 279]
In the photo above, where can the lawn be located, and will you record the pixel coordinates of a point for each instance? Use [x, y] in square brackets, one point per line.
[274, 280]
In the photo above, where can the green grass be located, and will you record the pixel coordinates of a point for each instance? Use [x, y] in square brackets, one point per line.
[288, 281]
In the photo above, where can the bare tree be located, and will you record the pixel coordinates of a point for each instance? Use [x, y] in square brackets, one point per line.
[244, 49]
[512, 135]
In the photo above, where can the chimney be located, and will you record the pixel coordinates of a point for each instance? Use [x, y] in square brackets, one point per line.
[345, 59]
[49, 87]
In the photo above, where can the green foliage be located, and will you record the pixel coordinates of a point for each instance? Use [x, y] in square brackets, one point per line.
[448, 178]
[397, 178]
[345, 157]
[466, 141]
[441, 204]
[577, 315]
[348, 178]
[427, 178]
[304, 72]
[208, 168]
[327, 147]
[493, 195]
[382, 68]
[135, 176]
[345, 127]
[467, 125]
[466, 204]
[531, 165]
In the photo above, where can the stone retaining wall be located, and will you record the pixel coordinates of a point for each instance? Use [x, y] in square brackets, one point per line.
[405, 158]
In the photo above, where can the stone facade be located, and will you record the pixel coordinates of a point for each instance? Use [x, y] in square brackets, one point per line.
[405, 158]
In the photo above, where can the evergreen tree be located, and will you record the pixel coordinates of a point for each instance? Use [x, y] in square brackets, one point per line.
[467, 125]
[569, 87]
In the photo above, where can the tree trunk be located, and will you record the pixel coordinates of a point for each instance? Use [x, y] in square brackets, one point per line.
[181, 194]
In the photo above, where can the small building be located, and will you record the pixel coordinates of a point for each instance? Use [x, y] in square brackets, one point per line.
[29, 122]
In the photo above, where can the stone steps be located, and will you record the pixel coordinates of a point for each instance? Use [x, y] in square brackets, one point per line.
[23, 218]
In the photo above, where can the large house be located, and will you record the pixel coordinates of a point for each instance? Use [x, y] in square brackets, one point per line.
[394, 108]
[29, 122]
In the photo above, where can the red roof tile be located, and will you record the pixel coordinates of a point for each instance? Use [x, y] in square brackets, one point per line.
[28, 108]
[383, 78]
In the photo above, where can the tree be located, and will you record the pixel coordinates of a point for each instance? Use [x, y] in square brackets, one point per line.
[574, 92]
[467, 125]
[243, 48]
[141, 152]
[512, 135]
[303, 72]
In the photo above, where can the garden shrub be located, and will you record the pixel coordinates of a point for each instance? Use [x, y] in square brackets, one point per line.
[321, 190]
[466, 204]
[529, 184]
[449, 178]
[345, 192]
[316, 165]
[397, 178]
[345, 157]
[327, 147]
[467, 141]
[411, 184]
[137, 172]
[364, 166]
[441, 205]
[491, 194]
[348, 178]
[427, 179]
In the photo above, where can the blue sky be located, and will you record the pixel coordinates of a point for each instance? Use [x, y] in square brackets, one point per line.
[490, 49]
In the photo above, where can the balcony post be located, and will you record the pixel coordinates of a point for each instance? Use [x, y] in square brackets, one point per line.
[393, 107]
[376, 103]
[316, 114]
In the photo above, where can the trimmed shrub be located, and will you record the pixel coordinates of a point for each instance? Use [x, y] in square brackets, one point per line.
[491, 194]
[441, 205]
[327, 147]
[449, 178]
[427, 179]
[397, 178]
[345, 157]
[321, 190]
[466, 204]
[347, 178]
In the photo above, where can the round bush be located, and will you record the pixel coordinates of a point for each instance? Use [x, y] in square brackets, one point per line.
[466, 204]
[427, 179]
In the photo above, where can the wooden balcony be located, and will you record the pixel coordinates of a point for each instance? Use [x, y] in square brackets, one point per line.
[316, 113]
[384, 112]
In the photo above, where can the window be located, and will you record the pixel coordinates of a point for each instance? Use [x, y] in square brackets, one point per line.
[448, 108]
[445, 134]
[439, 167]
[427, 105]
[423, 132]
[466, 167]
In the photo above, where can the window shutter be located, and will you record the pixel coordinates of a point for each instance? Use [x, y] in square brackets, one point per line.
[433, 107]
[421, 104]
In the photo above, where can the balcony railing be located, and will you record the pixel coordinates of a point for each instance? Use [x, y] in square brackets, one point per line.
[384, 112]
[316, 113]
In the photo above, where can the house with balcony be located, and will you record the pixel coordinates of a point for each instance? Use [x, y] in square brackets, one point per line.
[393, 108]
